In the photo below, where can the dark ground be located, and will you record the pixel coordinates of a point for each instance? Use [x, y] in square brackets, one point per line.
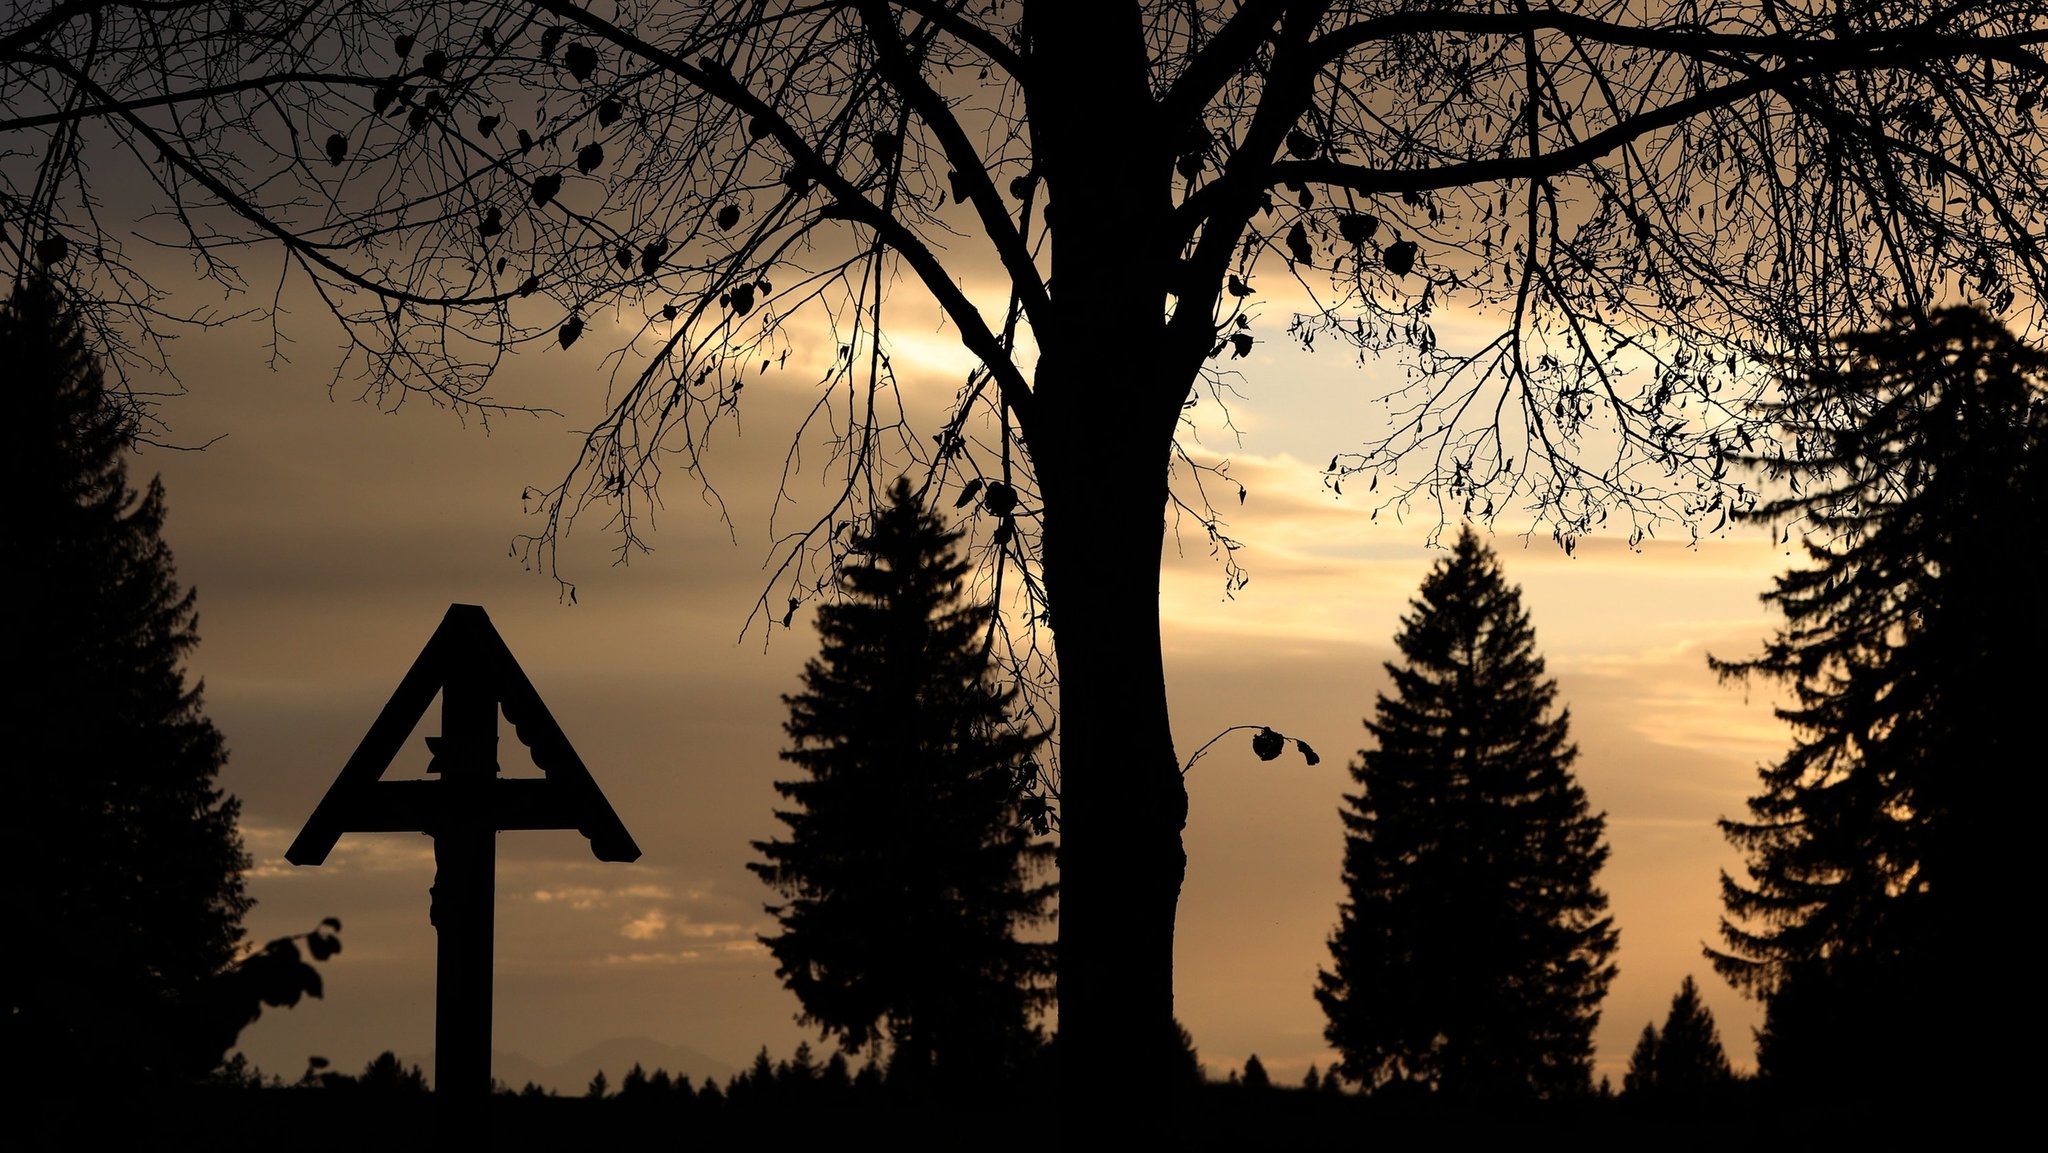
[1218, 1118]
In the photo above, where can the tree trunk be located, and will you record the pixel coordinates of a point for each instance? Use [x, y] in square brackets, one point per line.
[1107, 395]
[1122, 802]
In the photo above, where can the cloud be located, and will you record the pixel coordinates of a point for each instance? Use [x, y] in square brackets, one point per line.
[578, 897]
[727, 949]
[645, 927]
[354, 853]
[740, 934]
[656, 923]
[647, 910]
[604, 896]
[644, 959]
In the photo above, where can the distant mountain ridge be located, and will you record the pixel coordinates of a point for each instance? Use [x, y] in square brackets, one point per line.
[614, 1056]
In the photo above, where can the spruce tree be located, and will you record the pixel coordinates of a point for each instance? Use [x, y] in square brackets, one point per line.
[1472, 949]
[123, 861]
[1641, 1078]
[907, 873]
[1913, 458]
[1685, 1062]
[1690, 1059]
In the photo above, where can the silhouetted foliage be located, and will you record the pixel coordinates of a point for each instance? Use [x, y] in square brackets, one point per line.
[869, 1079]
[1255, 1074]
[1684, 1062]
[1913, 458]
[754, 1085]
[835, 1078]
[1642, 1062]
[800, 1072]
[123, 861]
[384, 1074]
[276, 976]
[1471, 951]
[1737, 178]
[907, 870]
[387, 1073]
[1187, 1071]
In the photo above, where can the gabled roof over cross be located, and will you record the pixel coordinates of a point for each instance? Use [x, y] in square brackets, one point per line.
[467, 651]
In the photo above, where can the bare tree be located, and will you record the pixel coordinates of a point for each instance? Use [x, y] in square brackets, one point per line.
[1650, 200]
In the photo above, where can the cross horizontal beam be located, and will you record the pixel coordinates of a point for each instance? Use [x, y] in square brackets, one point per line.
[510, 803]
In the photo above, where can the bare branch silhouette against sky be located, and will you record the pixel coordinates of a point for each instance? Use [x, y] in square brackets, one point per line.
[1563, 245]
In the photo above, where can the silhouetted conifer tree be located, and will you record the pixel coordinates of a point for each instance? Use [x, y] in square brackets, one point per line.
[387, 1074]
[1188, 1070]
[1685, 1062]
[1876, 844]
[124, 895]
[800, 1070]
[868, 1081]
[755, 1083]
[1642, 1063]
[1255, 1076]
[835, 1079]
[907, 871]
[1473, 948]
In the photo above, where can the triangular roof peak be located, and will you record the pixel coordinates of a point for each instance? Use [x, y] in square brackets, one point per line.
[467, 652]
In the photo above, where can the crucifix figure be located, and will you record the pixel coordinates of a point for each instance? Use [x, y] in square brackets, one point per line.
[467, 663]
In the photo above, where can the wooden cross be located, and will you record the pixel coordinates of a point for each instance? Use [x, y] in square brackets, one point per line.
[467, 663]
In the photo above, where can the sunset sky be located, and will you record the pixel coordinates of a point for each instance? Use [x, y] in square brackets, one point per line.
[326, 538]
